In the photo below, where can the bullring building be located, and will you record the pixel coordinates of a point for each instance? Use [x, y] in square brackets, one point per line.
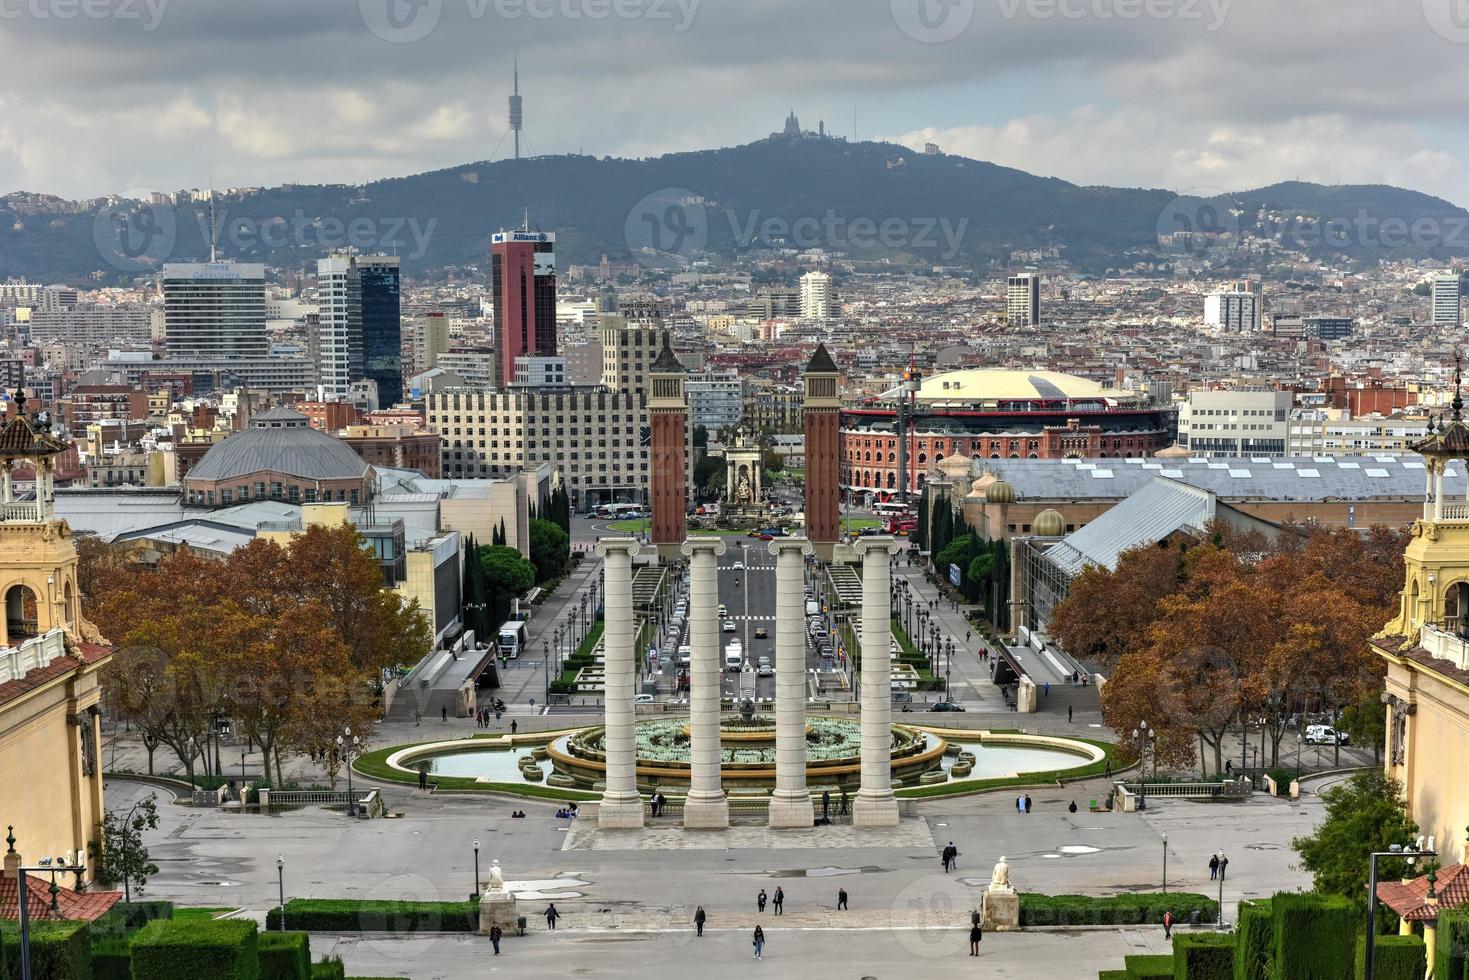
[994, 414]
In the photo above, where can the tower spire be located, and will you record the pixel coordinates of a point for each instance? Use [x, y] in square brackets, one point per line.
[1458, 402]
[517, 107]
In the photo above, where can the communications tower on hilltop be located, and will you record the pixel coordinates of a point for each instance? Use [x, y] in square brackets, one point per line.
[517, 108]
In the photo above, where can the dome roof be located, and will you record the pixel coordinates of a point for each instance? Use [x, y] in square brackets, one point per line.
[1048, 524]
[979, 486]
[995, 383]
[1000, 492]
[280, 441]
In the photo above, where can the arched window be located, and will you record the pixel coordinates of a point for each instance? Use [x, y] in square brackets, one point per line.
[22, 614]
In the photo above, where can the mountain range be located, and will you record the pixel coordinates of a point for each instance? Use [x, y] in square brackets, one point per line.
[870, 201]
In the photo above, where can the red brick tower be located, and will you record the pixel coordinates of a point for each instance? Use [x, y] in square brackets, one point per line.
[668, 415]
[822, 419]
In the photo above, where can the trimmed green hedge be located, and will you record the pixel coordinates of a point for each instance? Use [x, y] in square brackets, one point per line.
[111, 960]
[1315, 937]
[1256, 931]
[222, 949]
[1203, 956]
[1149, 967]
[125, 918]
[1112, 975]
[330, 968]
[354, 915]
[1126, 910]
[1394, 958]
[285, 956]
[1451, 961]
[59, 950]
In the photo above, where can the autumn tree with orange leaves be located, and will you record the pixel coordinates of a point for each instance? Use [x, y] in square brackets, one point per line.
[1198, 641]
[286, 641]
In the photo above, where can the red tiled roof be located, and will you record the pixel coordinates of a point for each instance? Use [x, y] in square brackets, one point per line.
[70, 904]
[1409, 899]
[38, 677]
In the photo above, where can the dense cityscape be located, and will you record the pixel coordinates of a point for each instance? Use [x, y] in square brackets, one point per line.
[392, 554]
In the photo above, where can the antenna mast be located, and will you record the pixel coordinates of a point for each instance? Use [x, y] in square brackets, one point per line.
[517, 107]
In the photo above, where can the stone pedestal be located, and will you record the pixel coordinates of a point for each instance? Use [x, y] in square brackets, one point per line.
[496, 905]
[705, 807]
[875, 805]
[1001, 909]
[1025, 697]
[621, 806]
[790, 803]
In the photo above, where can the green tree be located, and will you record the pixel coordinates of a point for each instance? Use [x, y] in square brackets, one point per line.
[118, 854]
[708, 473]
[550, 549]
[508, 575]
[1363, 814]
[701, 438]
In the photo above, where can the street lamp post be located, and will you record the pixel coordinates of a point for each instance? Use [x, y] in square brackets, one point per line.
[1223, 865]
[546, 657]
[280, 877]
[1165, 862]
[347, 744]
[51, 865]
[476, 867]
[1143, 735]
[1411, 853]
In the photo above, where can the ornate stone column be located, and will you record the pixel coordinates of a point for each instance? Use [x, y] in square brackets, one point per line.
[790, 804]
[705, 807]
[622, 805]
[875, 805]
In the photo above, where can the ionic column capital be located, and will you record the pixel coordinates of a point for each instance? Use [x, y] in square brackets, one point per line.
[618, 546]
[801, 546]
[884, 544]
[709, 544]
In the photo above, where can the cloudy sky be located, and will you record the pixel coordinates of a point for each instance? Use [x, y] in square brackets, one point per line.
[106, 96]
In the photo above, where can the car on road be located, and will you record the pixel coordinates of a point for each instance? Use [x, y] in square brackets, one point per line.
[723, 612]
[643, 699]
[765, 669]
[945, 706]
[1326, 735]
[730, 627]
[738, 566]
[761, 633]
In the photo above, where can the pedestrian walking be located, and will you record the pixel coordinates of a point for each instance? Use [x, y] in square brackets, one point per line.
[552, 915]
[417, 718]
[976, 935]
[779, 901]
[699, 918]
[1167, 925]
[513, 726]
[1223, 866]
[759, 942]
[444, 713]
[825, 804]
[844, 801]
[1214, 867]
[1019, 804]
[495, 935]
[1047, 688]
[1068, 714]
[1027, 802]
[1109, 768]
[842, 899]
[760, 901]
[1072, 807]
[423, 777]
[966, 636]
[498, 714]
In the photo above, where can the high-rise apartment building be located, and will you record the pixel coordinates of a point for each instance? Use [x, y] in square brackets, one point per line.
[1234, 312]
[628, 352]
[818, 296]
[523, 284]
[1023, 299]
[1447, 308]
[382, 330]
[339, 328]
[214, 309]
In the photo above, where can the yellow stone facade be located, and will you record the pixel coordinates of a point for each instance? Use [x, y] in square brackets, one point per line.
[1426, 649]
[50, 729]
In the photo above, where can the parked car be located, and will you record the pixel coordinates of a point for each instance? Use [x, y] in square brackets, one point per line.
[643, 699]
[945, 706]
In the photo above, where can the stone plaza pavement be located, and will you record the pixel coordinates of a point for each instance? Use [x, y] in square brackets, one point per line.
[628, 900]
